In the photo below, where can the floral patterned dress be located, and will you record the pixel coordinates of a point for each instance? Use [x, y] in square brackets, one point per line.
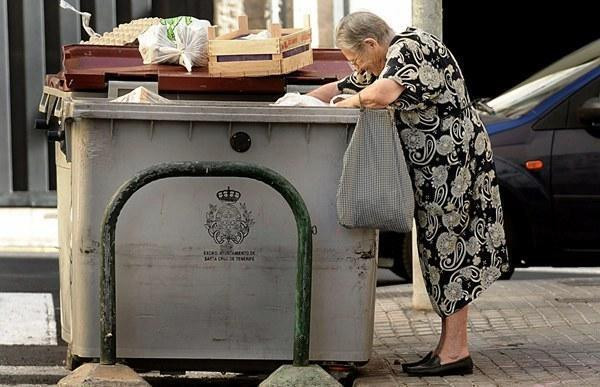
[459, 217]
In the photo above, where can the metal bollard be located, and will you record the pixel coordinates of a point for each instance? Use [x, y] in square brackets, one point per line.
[108, 320]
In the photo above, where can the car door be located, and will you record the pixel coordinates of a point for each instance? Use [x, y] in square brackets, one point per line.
[575, 182]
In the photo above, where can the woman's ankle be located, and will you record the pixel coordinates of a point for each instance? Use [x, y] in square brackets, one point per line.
[447, 356]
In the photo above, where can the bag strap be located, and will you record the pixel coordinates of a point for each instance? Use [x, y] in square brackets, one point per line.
[362, 108]
[392, 113]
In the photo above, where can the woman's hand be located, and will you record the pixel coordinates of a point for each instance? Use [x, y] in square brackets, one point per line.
[375, 96]
[350, 102]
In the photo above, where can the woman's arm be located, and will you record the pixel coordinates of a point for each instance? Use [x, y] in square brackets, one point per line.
[326, 92]
[378, 95]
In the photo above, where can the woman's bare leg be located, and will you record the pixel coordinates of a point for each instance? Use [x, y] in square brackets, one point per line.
[437, 349]
[453, 342]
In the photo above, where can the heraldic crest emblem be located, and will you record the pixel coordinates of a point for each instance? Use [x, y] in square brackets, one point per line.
[228, 224]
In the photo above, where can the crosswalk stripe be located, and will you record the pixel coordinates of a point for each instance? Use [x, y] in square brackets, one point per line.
[33, 370]
[27, 319]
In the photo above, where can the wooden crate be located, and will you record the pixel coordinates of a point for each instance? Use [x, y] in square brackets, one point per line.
[287, 50]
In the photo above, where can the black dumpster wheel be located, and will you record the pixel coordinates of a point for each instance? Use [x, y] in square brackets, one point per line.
[72, 362]
[343, 373]
[403, 259]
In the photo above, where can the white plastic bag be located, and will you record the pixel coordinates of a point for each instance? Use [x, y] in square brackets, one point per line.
[85, 18]
[181, 40]
[297, 99]
[141, 95]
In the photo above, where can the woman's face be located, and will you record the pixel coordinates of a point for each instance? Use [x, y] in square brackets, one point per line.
[371, 58]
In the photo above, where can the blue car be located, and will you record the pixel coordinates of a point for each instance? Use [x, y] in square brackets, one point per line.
[545, 135]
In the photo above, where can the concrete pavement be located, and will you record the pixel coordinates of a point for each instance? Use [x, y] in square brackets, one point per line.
[540, 332]
[522, 332]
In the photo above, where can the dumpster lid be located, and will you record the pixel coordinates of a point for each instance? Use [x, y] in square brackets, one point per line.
[90, 68]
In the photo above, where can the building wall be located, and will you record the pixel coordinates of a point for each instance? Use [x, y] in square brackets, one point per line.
[227, 11]
[325, 14]
[27, 170]
[397, 13]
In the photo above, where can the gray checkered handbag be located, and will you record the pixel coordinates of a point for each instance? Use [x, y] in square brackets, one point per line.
[375, 189]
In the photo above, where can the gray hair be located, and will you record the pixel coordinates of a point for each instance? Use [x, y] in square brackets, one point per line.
[358, 26]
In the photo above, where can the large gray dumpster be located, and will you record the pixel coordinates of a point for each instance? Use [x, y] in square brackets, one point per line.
[206, 267]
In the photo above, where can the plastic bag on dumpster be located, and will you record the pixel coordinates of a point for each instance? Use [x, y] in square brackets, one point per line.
[181, 40]
[297, 99]
[141, 95]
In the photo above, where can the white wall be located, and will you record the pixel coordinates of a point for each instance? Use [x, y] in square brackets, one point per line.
[397, 13]
[310, 7]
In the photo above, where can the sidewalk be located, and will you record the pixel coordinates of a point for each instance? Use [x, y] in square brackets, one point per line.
[539, 332]
[529, 333]
[28, 232]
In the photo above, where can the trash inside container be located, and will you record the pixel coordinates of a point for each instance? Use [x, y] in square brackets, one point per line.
[206, 267]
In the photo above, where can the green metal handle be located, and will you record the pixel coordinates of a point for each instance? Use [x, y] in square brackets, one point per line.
[108, 320]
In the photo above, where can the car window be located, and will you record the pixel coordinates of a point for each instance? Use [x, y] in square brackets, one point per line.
[521, 100]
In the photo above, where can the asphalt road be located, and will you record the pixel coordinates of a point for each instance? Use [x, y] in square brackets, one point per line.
[32, 275]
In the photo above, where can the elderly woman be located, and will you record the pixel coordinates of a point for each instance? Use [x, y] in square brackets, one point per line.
[460, 232]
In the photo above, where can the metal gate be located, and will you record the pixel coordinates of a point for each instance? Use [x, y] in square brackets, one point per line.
[31, 34]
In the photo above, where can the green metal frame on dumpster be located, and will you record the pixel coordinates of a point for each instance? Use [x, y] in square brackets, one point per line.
[108, 320]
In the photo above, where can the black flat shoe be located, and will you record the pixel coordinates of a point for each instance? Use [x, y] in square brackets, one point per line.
[432, 367]
[418, 362]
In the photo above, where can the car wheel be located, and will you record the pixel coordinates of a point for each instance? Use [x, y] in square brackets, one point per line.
[403, 260]
[511, 246]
